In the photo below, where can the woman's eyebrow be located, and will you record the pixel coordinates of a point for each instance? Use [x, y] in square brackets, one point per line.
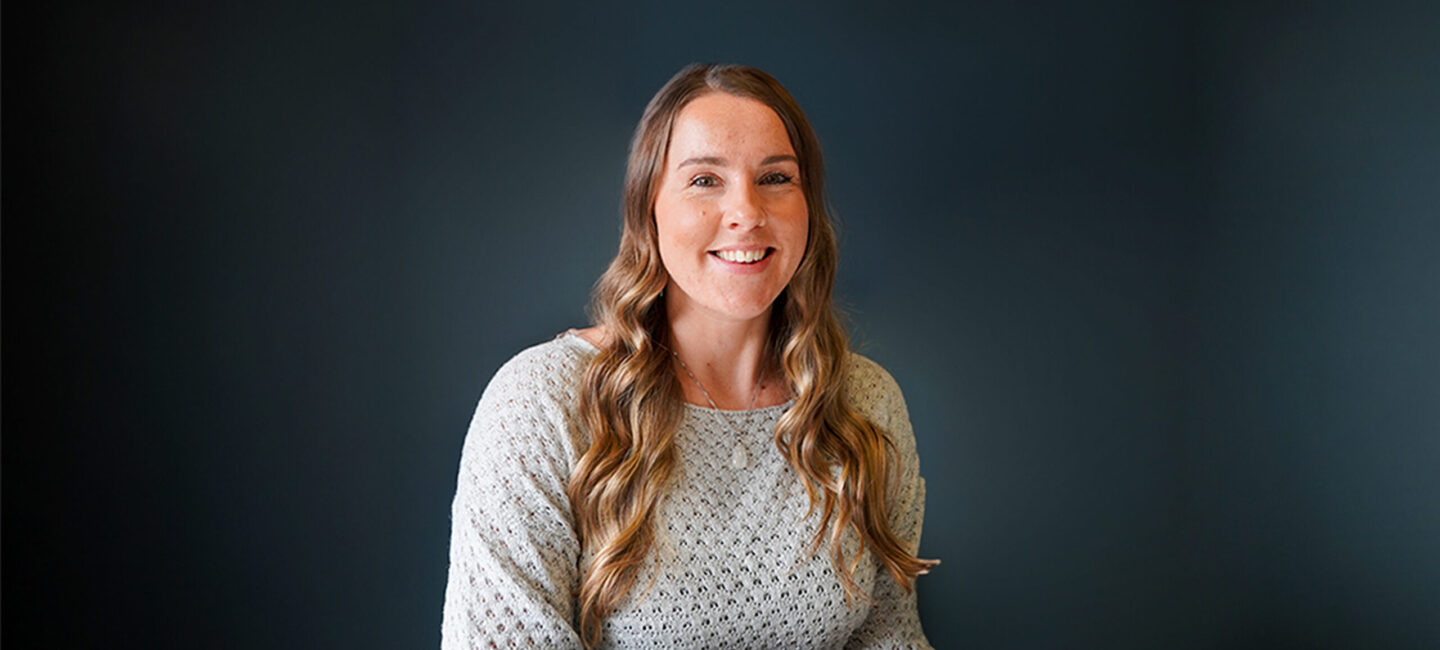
[721, 162]
[702, 160]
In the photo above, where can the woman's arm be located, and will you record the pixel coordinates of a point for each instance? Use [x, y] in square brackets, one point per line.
[894, 621]
[513, 547]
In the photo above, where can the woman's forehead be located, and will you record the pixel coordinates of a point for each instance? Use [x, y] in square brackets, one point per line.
[725, 126]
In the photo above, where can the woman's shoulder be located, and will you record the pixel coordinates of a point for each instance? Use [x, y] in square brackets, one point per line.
[869, 381]
[548, 368]
[874, 392]
[540, 382]
[530, 402]
[865, 371]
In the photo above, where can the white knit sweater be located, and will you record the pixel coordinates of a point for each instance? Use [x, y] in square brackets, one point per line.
[730, 568]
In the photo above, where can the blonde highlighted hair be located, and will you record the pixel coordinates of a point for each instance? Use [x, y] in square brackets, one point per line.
[631, 401]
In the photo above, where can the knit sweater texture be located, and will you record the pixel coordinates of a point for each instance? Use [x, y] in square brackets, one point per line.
[730, 567]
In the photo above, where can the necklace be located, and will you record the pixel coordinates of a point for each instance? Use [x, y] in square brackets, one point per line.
[741, 457]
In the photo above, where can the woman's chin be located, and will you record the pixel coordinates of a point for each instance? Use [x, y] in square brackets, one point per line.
[737, 312]
[750, 311]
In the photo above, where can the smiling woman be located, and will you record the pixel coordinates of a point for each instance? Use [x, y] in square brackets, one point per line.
[730, 212]
[708, 465]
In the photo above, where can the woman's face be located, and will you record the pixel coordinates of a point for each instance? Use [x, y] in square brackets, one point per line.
[730, 210]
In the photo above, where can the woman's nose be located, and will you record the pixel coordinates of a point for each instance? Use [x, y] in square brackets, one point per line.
[744, 210]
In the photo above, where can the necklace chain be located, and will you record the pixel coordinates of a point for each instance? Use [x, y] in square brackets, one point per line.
[740, 457]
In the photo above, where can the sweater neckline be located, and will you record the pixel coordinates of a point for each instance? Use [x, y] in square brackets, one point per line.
[573, 336]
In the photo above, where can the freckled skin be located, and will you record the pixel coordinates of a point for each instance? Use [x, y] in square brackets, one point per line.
[745, 199]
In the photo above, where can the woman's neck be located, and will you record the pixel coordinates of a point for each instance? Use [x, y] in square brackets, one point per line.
[727, 357]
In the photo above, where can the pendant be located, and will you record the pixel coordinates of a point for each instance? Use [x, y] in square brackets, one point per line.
[739, 459]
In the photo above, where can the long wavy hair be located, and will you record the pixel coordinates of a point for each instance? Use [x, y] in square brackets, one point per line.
[631, 401]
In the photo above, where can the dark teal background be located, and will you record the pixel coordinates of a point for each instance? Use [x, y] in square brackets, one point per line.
[1161, 283]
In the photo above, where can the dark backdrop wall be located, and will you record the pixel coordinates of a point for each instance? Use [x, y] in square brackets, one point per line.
[1160, 283]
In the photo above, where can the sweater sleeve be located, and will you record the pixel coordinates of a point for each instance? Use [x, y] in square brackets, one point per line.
[513, 545]
[894, 620]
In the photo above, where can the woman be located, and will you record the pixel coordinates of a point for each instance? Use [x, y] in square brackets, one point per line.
[707, 466]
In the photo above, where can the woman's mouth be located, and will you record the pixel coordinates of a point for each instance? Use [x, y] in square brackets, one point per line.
[743, 256]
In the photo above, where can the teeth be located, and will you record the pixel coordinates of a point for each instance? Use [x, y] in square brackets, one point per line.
[743, 257]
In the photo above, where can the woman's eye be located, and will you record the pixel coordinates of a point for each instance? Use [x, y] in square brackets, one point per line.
[776, 178]
[704, 181]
